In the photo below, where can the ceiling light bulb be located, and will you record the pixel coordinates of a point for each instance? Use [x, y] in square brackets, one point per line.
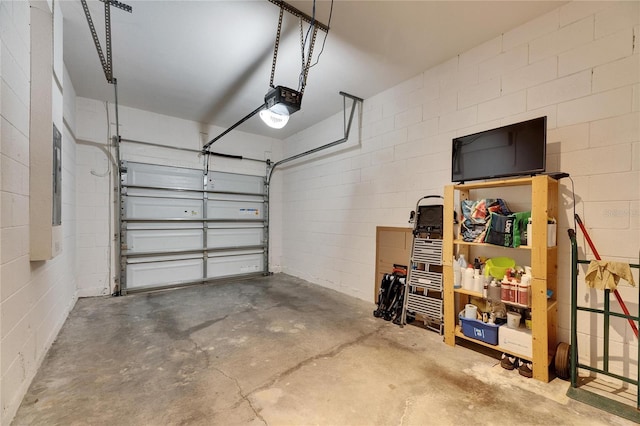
[274, 120]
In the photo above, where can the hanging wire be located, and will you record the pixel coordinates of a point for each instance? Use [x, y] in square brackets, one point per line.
[305, 64]
[325, 36]
[313, 23]
[307, 41]
[309, 54]
[108, 148]
[303, 47]
[573, 195]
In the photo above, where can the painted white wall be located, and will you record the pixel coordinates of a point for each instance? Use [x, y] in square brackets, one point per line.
[35, 297]
[96, 173]
[577, 65]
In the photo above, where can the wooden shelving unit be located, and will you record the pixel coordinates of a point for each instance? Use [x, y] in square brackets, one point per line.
[543, 260]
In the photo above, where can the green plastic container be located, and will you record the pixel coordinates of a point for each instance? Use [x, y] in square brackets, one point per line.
[497, 266]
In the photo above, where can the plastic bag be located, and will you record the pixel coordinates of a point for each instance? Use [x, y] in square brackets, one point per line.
[476, 217]
[506, 230]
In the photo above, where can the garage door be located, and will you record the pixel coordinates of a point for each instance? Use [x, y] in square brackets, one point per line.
[180, 227]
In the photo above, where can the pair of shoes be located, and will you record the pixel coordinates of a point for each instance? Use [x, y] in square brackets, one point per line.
[526, 368]
[508, 362]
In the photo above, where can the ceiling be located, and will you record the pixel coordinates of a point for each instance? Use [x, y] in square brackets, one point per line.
[210, 61]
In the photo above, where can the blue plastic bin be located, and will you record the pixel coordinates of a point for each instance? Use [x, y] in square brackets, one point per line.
[487, 333]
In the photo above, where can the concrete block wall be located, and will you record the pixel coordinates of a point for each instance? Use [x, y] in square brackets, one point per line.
[97, 170]
[35, 297]
[579, 65]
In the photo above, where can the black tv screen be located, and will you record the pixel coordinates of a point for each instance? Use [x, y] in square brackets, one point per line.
[514, 150]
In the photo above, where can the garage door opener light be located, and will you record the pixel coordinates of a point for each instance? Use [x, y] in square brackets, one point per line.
[280, 102]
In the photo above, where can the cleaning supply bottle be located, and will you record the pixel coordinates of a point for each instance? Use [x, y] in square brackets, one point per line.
[476, 263]
[485, 286]
[462, 262]
[477, 281]
[467, 279]
[505, 290]
[494, 291]
[457, 278]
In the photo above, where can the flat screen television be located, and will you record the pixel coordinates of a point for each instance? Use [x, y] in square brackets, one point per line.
[514, 150]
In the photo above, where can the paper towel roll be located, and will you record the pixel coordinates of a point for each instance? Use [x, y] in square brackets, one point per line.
[470, 311]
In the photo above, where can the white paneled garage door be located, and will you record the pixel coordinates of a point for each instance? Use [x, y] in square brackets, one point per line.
[180, 227]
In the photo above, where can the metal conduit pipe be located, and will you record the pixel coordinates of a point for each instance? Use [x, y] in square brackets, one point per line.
[271, 168]
[116, 236]
[117, 291]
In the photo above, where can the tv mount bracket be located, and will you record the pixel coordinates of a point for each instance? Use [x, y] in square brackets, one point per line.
[107, 63]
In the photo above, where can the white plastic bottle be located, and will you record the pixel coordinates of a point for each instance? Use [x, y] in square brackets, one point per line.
[457, 274]
[477, 281]
[485, 287]
[462, 261]
[494, 291]
[467, 279]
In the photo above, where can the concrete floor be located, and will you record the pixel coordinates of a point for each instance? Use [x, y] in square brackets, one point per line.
[274, 351]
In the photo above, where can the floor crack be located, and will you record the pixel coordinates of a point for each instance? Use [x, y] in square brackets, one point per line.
[202, 351]
[244, 397]
[407, 404]
[329, 354]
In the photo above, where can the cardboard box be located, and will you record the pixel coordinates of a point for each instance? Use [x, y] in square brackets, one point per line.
[393, 245]
[516, 340]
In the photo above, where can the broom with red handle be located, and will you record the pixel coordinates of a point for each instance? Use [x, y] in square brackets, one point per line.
[615, 292]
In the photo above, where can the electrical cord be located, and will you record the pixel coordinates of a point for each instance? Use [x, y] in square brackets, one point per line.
[108, 173]
[573, 195]
[325, 36]
[306, 36]
[301, 82]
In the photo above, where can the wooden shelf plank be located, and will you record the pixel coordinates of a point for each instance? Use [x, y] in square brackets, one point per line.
[470, 243]
[467, 292]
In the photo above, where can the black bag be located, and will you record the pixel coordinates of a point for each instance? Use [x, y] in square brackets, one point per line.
[500, 230]
[506, 230]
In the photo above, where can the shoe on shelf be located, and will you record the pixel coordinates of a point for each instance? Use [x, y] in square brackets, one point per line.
[508, 362]
[526, 368]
